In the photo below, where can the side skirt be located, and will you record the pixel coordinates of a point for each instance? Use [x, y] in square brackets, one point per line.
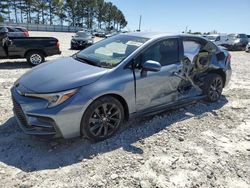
[167, 107]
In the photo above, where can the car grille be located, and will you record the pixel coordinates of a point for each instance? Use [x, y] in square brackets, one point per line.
[81, 42]
[19, 113]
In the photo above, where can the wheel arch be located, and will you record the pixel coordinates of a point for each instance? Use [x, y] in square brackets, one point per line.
[35, 50]
[219, 72]
[120, 99]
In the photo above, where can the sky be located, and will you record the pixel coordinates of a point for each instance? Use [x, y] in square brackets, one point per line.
[224, 16]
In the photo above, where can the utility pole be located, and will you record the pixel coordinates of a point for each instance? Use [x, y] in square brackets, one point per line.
[140, 24]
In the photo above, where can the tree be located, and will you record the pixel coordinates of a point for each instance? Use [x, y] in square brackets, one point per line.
[71, 9]
[100, 12]
[4, 9]
[76, 12]
[13, 5]
[59, 10]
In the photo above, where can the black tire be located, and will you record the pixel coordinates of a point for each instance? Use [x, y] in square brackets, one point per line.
[102, 119]
[35, 58]
[213, 86]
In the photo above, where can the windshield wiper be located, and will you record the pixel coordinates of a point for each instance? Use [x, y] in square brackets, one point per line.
[106, 65]
[86, 60]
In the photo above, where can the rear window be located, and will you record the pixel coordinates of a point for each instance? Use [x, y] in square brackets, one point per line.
[21, 29]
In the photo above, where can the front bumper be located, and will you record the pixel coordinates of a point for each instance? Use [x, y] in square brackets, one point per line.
[34, 118]
[80, 44]
[248, 48]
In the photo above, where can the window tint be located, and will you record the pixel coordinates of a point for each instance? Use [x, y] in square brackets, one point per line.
[165, 52]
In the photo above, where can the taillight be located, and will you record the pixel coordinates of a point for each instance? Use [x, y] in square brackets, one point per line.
[26, 34]
[58, 45]
[229, 57]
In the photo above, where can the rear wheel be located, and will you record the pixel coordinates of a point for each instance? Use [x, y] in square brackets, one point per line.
[213, 87]
[35, 58]
[102, 118]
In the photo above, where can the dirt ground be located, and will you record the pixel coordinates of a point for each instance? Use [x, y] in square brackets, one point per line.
[203, 145]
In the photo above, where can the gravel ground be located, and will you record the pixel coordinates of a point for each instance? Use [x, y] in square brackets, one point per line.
[203, 145]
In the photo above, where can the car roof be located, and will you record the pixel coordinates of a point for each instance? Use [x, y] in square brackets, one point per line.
[155, 35]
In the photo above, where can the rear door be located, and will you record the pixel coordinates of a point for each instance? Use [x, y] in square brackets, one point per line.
[158, 88]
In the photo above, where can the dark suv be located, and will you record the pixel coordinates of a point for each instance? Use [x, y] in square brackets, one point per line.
[15, 31]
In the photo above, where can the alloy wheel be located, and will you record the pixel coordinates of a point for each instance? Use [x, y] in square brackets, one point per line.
[105, 120]
[36, 59]
[215, 89]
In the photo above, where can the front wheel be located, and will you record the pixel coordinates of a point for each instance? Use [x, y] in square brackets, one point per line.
[102, 118]
[213, 87]
[35, 58]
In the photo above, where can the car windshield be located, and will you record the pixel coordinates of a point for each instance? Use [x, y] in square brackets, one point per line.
[112, 51]
[82, 34]
[212, 37]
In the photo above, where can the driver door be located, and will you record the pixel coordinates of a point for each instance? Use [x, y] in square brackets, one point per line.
[158, 88]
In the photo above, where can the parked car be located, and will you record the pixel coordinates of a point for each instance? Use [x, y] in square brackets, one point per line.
[128, 75]
[15, 31]
[248, 47]
[237, 42]
[218, 39]
[248, 36]
[111, 34]
[81, 40]
[99, 33]
[34, 49]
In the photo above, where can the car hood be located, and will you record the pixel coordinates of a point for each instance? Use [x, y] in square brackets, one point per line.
[82, 38]
[60, 75]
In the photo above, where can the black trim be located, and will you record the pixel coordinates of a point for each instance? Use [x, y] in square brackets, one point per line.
[168, 106]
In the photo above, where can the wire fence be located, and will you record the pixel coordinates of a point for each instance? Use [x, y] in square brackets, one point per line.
[41, 27]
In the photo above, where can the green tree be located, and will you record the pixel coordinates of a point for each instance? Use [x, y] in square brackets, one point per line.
[60, 11]
[71, 9]
[100, 12]
[4, 10]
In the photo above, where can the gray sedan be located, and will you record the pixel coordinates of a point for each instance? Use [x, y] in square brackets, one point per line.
[248, 47]
[127, 75]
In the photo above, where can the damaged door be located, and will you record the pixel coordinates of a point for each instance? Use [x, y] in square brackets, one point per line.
[197, 56]
[158, 88]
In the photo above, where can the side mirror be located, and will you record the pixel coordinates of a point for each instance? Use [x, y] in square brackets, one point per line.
[152, 66]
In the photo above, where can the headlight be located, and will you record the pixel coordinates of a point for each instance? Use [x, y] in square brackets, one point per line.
[90, 41]
[54, 99]
[237, 41]
[73, 40]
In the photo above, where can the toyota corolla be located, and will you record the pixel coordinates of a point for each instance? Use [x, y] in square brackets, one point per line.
[127, 75]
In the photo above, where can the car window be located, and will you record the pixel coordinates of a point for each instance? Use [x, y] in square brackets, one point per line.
[241, 36]
[165, 52]
[110, 52]
[10, 29]
[83, 34]
[3, 29]
[16, 30]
